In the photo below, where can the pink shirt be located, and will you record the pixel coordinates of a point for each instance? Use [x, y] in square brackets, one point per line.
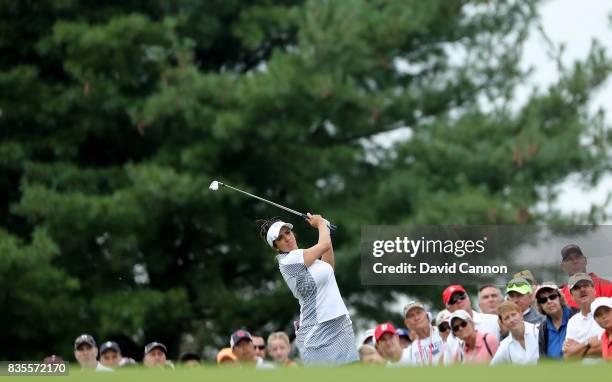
[480, 353]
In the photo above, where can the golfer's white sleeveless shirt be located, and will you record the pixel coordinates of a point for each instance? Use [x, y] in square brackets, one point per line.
[315, 288]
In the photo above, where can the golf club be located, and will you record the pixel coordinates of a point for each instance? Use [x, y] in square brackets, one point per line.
[214, 185]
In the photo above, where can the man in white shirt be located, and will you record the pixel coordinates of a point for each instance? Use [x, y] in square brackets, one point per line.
[455, 298]
[583, 334]
[428, 347]
[521, 345]
[389, 347]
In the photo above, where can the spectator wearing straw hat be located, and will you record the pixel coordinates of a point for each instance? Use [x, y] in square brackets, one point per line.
[521, 345]
[602, 311]
[583, 333]
[478, 347]
[574, 261]
[551, 303]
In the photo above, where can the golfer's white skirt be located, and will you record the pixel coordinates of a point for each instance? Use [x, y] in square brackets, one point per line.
[328, 343]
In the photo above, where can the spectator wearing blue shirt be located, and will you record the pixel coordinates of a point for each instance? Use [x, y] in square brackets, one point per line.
[552, 304]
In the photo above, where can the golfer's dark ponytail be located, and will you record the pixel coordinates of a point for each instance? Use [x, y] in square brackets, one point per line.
[265, 226]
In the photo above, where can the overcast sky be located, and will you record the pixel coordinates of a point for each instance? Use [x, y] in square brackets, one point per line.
[576, 24]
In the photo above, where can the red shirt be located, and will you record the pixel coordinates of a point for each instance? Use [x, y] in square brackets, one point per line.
[606, 346]
[603, 288]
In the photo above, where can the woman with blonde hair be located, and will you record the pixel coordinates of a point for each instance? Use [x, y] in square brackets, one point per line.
[279, 348]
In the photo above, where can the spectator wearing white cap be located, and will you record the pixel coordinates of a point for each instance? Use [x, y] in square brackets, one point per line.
[86, 353]
[325, 331]
[521, 345]
[489, 298]
[110, 354]
[388, 346]
[602, 311]
[456, 298]
[520, 291]
[442, 323]
[367, 338]
[428, 347]
[551, 303]
[583, 333]
[478, 347]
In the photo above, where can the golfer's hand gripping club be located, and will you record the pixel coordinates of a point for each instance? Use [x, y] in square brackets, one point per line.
[327, 222]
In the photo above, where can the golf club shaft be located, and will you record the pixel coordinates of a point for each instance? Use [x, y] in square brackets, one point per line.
[330, 225]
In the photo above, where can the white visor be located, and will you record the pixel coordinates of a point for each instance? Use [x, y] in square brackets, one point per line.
[274, 231]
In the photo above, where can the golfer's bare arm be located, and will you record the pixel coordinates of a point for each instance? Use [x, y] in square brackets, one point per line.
[323, 249]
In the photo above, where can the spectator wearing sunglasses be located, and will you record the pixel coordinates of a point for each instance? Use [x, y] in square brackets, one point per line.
[602, 311]
[521, 345]
[551, 303]
[260, 347]
[456, 298]
[478, 347]
[574, 261]
[428, 347]
[489, 298]
[442, 323]
[583, 334]
[520, 291]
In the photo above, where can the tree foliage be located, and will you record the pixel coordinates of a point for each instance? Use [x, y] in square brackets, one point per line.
[115, 117]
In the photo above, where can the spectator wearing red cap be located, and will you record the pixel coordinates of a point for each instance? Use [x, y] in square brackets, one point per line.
[456, 298]
[574, 261]
[389, 347]
[428, 347]
[583, 334]
[602, 311]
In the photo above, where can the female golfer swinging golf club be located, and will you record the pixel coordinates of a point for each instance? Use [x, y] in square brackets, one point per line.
[325, 332]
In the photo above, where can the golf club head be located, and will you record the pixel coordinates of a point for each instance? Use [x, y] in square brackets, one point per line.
[214, 185]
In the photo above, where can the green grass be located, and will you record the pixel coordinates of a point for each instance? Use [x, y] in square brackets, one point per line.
[556, 372]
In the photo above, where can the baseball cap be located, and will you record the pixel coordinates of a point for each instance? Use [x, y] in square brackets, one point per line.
[274, 231]
[366, 335]
[382, 329]
[527, 275]
[239, 335]
[449, 291]
[519, 285]
[412, 305]
[546, 285]
[403, 332]
[442, 316]
[84, 339]
[460, 314]
[601, 302]
[569, 249]
[154, 345]
[578, 277]
[109, 345]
